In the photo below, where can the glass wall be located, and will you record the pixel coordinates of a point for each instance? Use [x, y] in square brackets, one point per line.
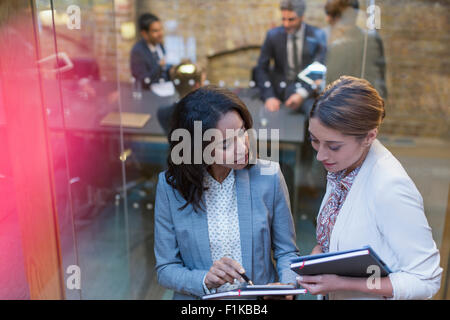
[88, 173]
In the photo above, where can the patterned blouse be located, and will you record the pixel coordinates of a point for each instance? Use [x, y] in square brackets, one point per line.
[223, 221]
[340, 187]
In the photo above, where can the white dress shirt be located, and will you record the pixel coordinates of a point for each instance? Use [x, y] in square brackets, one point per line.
[223, 221]
[292, 73]
[300, 34]
[157, 49]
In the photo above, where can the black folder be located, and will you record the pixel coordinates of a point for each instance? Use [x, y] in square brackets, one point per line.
[362, 262]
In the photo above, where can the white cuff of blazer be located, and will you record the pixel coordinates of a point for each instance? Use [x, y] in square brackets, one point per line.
[205, 288]
[303, 92]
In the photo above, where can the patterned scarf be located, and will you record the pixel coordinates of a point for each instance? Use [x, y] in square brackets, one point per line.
[340, 187]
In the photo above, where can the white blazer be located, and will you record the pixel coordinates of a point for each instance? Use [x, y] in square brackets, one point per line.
[385, 210]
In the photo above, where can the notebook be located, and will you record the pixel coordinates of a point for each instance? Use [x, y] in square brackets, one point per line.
[256, 291]
[126, 119]
[362, 262]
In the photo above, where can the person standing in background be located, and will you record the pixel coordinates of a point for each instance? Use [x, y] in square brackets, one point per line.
[348, 51]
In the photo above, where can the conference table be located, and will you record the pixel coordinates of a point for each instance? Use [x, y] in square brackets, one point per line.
[81, 112]
[84, 113]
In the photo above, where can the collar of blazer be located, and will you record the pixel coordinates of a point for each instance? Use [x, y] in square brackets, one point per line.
[144, 45]
[309, 32]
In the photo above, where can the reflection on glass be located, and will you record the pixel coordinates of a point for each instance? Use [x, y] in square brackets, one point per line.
[351, 50]
[86, 155]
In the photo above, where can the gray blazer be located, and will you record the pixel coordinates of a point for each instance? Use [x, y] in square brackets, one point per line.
[182, 251]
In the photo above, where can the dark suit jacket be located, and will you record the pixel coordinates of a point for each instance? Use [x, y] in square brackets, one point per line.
[144, 65]
[275, 48]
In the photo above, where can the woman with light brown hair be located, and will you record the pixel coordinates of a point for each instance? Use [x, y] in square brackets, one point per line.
[370, 199]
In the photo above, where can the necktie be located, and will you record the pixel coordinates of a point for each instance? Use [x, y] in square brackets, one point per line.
[156, 56]
[295, 54]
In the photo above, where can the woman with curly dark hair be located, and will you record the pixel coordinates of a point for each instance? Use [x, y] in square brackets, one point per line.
[218, 218]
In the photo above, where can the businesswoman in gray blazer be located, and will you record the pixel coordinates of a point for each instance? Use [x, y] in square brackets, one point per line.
[220, 216]
[370, 200]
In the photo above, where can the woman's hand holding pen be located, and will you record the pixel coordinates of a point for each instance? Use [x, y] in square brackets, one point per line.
[223, 271]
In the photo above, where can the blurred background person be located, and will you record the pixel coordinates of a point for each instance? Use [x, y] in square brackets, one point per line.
[186, 77]
[292, 46]
[346, 51]
[147, 60]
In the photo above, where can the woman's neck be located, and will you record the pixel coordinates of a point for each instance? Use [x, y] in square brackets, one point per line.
[358, 163]
[219, 173]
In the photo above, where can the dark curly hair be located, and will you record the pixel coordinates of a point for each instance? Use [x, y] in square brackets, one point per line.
[207, 104]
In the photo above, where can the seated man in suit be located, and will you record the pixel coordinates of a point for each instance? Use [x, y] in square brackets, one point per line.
[292, 46]
[147, 60]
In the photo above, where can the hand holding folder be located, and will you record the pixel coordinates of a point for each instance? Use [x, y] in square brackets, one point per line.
[351, 263]
[322, 284]
[324, 273]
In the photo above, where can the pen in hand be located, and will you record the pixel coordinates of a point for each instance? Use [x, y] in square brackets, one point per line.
[244, 276]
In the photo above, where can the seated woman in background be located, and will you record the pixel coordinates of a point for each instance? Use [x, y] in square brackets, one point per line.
[370, 199]
[215, 221]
